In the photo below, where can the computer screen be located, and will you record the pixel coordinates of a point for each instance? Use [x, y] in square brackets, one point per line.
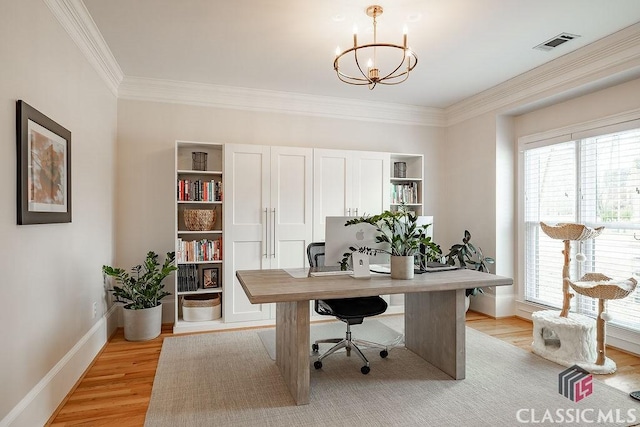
[338, 239]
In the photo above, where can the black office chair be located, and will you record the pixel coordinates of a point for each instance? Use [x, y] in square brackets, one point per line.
[352, 311]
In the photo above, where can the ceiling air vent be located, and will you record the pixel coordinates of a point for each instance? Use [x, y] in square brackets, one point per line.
[556, 41]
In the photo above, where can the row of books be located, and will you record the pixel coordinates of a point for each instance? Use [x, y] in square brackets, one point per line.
[404, 193]
[199, 190]
[188, 278]
[199, 250]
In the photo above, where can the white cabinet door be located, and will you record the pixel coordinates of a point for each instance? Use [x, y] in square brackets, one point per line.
[268, 217]
[348, 183]
[290, 207]
[332, 187]
[370, 182]
[246, 209]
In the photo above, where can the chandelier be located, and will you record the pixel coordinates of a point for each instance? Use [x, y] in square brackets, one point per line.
[396, 70]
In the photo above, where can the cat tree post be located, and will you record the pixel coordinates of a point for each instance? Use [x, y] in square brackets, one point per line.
[566, 300]
[600, 334]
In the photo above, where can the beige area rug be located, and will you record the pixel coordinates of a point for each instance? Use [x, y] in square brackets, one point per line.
[228, 379]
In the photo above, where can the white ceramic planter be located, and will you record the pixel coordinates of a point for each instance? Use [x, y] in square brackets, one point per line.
[142, 325]
[402, 267]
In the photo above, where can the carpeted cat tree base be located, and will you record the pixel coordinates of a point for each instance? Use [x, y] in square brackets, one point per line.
[568, 341]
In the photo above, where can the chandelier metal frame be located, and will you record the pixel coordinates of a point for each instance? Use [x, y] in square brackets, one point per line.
[372, 76]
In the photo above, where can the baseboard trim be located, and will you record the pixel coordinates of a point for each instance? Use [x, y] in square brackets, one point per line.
[496, 306]
[37, 406]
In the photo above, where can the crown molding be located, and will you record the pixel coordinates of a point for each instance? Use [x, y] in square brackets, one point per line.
[209, 95]
[76, 20]
[603, 58]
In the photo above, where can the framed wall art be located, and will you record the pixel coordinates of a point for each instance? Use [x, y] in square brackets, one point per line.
[44, 168]
[211, 277]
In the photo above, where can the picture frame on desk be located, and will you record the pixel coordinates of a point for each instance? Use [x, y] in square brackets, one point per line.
[44, 168]
[210, 277]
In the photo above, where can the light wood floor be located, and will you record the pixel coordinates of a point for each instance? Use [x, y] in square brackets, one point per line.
[116, 389]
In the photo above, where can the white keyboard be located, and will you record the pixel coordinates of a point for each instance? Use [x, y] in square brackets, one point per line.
[331, 273]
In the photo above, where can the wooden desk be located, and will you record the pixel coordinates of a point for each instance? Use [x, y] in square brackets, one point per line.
[434, 314]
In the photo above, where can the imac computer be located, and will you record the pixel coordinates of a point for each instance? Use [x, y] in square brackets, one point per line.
[339, 238]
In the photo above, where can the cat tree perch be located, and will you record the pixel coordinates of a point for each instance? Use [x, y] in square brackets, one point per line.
[571, 340]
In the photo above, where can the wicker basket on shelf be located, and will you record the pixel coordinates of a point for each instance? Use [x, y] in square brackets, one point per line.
[199, 219]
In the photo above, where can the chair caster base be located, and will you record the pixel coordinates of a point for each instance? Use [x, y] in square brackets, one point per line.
[365, 370]
[317, 364]
[384, 353]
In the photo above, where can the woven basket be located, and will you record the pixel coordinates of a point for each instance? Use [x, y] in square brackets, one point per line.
[596, 285]
[570, 231]
[207, 300]
[199, 219]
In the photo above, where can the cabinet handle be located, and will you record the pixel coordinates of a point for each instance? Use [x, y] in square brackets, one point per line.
[349, 212]
[356, 211]
[273, 233]
[264, 228]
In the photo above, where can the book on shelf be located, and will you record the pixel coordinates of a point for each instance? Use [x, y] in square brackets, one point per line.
[188, 278]
[405, 193]
[199, 250]
[199, 190]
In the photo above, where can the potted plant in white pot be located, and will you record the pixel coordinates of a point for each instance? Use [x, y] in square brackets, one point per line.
[404, 238]
[469, 256]
[141, 293]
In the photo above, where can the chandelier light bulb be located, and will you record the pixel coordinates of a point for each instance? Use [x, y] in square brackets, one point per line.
[338, 51]
[369, 63]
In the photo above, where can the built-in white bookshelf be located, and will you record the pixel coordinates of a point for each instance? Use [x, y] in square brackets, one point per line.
[407, 187]
[199, 251]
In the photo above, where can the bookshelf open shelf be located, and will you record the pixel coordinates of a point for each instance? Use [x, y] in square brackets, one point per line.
[198, 251]
[407, 190]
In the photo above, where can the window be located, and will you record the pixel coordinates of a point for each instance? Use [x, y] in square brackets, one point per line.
[594, 181]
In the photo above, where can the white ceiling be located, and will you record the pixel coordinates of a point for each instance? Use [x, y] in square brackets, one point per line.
[464, 46]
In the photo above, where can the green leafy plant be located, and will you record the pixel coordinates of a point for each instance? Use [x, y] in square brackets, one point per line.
[143, 288]
[469, 256]
[400, 232]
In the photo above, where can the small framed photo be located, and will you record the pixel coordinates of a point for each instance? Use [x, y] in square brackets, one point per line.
[44, 168]
[211, 277]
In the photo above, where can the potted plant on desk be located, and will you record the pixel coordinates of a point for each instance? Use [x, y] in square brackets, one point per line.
[141, 292]
[405, 239]
[469, 256]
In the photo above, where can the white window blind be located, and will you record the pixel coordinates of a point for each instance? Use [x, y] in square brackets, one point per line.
[595, 181]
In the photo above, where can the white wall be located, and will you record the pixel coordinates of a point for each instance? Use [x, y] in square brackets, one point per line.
[51, 273]
[146, 138]
[469, 179]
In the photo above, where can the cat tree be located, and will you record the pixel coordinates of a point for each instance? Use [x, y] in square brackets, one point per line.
[577, 339]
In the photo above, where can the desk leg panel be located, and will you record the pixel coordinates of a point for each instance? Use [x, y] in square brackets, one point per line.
[292, 347]
[435, 329]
